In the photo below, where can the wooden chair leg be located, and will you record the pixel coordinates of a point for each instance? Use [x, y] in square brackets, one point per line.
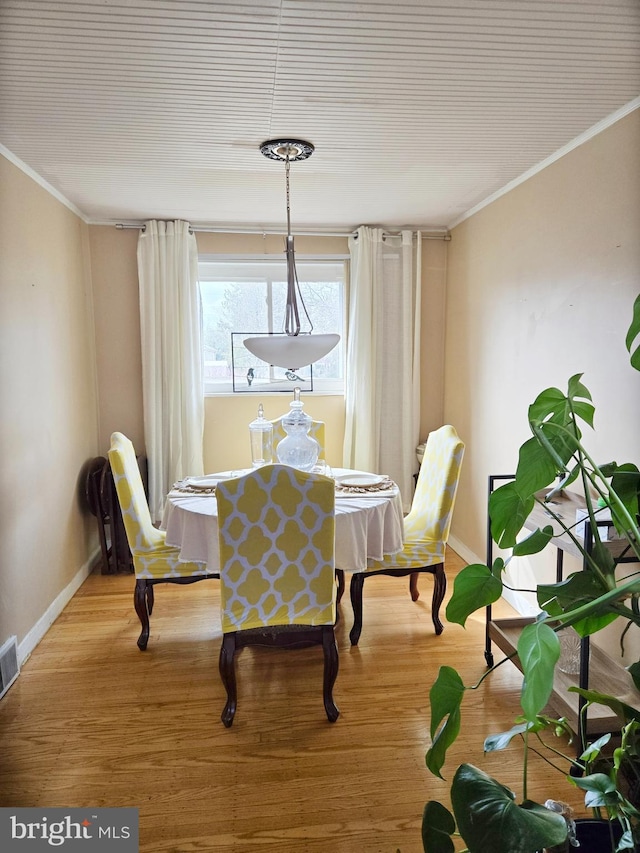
[439, 590]
[228, 676]
[340, 579]
[413, 586]
[140, 602]
[330, 649]
[355, 591]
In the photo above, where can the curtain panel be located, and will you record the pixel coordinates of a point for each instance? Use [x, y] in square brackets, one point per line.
[172, 371]
[382, 394]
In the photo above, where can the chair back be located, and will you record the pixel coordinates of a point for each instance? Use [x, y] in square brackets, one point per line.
[142, 536]
[277, 565]
[434, 498]
[316, 431]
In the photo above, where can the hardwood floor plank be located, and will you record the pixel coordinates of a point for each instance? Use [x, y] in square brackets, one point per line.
[92, 721]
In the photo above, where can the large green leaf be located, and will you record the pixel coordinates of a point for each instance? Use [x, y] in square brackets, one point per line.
[438, 826]
[552, 406]
[586, 587]
[588, 590]
[553, 421]
[489, 819]
[578, 588]
[633, 334]
[625, 482]
[445, 698]
[474, 587]
[603, 558]
[592, 624]
[547, 405]
[536, 469]
[508, 511]
[538, 650]
[593, 750]
[576, 389]
[559, 441]
[624, 711]
[601, 790]
[534, 543]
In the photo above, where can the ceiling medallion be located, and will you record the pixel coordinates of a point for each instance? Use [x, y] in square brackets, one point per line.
[283, 149]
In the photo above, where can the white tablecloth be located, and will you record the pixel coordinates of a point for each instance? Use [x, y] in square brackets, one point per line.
[367, 526]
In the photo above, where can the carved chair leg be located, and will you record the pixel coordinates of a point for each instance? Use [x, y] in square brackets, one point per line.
[439, 590]
[140, 602]
[413, 586]
[330, 649]
[355, 590]
[150, 598]
[340, 579]
[228, 676]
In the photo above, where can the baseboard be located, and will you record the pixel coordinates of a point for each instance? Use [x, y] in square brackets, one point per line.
[33, 637]
[461, 549]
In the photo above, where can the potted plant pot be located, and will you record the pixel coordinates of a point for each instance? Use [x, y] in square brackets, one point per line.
[595, 835]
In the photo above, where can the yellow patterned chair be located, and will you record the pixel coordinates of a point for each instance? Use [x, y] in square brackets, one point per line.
[153, 560]
[426, 528]
[276, 529]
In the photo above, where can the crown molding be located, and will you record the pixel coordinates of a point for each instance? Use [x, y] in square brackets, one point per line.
[593, 131]
[9, 155]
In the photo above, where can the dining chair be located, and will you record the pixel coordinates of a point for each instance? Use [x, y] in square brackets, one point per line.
[154, 561]
[426, 528]
[316, 431]
[276, 530]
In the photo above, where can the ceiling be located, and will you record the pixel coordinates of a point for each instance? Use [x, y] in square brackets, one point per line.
[419, 111]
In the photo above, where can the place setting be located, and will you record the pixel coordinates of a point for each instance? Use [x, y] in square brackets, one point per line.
[203, 486]
[362, 483]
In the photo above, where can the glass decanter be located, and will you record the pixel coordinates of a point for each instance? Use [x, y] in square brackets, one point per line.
[297, 448]
[261, 432]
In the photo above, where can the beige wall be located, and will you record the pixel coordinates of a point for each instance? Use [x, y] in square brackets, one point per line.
[114, 271]
[434, 282]
[541, 285]
[48, 428]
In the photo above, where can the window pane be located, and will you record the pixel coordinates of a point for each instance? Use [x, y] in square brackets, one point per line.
[249, 296]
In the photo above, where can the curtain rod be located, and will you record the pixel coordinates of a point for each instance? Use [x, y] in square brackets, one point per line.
[213, 229]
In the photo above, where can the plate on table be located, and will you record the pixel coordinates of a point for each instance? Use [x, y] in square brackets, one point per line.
[361, 481]
[207, 482]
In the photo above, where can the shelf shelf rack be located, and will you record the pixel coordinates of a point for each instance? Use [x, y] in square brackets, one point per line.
[597, 669]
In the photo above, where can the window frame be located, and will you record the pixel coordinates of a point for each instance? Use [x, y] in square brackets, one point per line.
[337, 387]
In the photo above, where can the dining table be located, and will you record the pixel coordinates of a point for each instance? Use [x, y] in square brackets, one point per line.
[368, 518]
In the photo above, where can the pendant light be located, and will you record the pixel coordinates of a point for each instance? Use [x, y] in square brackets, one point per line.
[295, 348]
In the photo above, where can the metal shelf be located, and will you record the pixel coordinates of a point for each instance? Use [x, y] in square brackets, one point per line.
[605, 675]
[598, 671]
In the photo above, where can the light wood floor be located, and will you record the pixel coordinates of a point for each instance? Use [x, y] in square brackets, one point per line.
[92, 721]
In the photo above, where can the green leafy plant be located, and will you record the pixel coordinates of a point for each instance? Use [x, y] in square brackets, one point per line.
[485, 813]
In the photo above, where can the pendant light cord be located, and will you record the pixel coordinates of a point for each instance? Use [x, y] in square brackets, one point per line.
[292, 315]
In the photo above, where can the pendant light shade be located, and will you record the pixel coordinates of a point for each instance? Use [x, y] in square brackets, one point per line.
[291, 351]
[296, 348]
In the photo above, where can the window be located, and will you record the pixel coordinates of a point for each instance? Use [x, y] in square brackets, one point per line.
[248, 296]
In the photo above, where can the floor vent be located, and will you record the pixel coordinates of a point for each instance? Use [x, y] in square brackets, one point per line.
[9, 669]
